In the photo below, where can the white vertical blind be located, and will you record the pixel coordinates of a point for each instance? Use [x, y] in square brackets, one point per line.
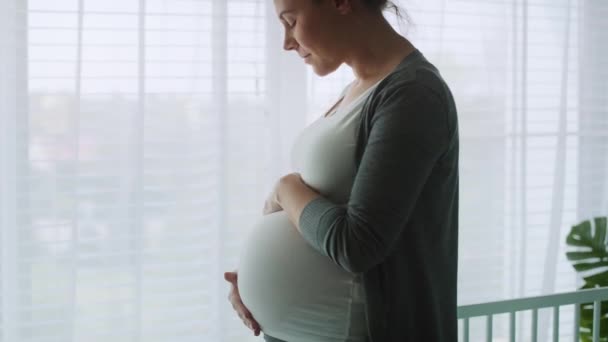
[139, 139]
[12, 122]
[593, 119]
[141, 121]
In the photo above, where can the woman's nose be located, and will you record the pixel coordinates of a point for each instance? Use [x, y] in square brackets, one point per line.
[289, 43]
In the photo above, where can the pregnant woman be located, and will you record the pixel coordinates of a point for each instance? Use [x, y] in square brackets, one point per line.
[360, 242]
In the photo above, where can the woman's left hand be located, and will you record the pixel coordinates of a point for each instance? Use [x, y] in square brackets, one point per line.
[271, 205]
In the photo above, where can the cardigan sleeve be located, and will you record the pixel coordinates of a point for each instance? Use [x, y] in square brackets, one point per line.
[406, 137]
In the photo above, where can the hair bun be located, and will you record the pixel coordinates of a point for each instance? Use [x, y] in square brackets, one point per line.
[377, 4]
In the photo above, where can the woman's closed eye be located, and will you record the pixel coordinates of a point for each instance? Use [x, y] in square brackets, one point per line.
[289, 22]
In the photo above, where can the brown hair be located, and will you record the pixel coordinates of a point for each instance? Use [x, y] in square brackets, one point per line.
[387, 5]
[382, 5]
[378, 4]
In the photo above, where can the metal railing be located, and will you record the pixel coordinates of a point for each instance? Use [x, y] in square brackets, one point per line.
[512, 307]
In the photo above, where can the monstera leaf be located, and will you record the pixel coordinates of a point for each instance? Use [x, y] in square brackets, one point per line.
[590, 259]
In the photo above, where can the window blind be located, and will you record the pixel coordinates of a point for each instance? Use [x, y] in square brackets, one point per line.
[142, 115]
[139, 139]
[11, 149]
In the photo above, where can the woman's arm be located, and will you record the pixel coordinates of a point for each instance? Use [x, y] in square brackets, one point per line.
[408, 134]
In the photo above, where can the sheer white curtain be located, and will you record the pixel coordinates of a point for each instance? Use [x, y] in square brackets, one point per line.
[139, 139]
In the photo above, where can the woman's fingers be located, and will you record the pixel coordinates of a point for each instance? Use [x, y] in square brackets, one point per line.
[237, 304]
[271, 205]
[247, 318]
[270, 208]
[231, 277]
[253, 325]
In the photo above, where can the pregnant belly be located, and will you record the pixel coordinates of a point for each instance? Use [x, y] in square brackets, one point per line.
[292, 290]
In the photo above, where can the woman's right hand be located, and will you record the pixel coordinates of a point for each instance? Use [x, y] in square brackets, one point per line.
[235, 299]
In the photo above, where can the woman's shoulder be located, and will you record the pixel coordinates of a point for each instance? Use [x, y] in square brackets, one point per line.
[412, 78]
[417, 85]
[417, 75]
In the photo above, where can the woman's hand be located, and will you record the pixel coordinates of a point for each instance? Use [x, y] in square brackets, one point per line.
[272, 202]
[235, 299]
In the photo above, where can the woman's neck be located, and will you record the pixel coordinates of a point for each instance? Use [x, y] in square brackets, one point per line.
[376, 50]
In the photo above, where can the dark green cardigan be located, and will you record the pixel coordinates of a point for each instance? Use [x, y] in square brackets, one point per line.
[400, 226]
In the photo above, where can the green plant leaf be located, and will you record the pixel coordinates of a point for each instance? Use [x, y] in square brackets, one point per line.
[587, 311]
[585, 266]
[582, 229]
[599, 240]
[593, 244]
[572, 241]
[600, 279]
[575, 256]
[586, 328]
[589, 255]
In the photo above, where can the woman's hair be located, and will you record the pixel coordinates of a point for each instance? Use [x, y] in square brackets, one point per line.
[378, 4]
[382, 5]
[387, 5]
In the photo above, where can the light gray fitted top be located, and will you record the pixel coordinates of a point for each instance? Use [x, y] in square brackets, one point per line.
[324, 152]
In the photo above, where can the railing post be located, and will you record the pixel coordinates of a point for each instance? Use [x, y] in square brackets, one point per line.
[556, 324]
[512, 326]
[489, 328]
[597, 307]
[534, 324]
[577, 320]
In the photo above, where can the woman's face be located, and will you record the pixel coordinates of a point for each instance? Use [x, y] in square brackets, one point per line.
[312, 30]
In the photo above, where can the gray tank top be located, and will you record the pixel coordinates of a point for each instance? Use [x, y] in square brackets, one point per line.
[324, 152]
[324, 155]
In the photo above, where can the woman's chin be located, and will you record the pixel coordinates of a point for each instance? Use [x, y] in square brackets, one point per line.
[322, 69]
